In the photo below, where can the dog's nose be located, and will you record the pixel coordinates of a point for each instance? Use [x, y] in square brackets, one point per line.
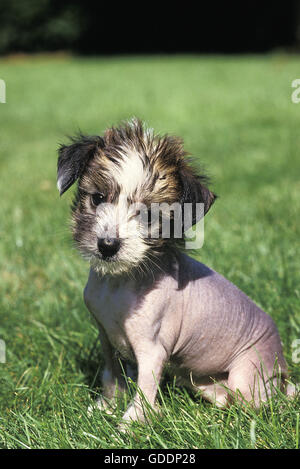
[108, 246]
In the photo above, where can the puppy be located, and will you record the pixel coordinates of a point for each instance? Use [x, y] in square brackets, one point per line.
[153, 304]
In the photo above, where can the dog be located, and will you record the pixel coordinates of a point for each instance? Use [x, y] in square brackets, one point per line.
[153, 304]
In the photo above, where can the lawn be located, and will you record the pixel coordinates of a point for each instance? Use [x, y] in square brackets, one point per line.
[236, 115]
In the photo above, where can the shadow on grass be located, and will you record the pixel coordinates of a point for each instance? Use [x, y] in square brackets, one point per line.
[91, 363]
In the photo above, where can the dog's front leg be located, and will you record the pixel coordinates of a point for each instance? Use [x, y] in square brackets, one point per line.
[151, 359]
[113, 381]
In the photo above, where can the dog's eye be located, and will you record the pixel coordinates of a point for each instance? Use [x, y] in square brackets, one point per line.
[97, 199]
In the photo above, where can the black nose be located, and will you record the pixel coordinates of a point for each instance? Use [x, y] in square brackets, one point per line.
[108, 246]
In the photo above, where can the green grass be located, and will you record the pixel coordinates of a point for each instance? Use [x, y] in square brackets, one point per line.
[236, 114]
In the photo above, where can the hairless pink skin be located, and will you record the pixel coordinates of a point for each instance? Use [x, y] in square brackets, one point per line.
[214, 338]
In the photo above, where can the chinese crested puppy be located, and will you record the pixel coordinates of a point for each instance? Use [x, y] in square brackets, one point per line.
[137, 195]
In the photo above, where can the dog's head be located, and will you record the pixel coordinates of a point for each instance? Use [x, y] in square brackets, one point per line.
[130, 183]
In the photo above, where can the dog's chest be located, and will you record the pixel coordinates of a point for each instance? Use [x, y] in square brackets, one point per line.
[113, 307]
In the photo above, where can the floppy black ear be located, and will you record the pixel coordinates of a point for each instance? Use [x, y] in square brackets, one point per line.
[73, 158]
[194, 190]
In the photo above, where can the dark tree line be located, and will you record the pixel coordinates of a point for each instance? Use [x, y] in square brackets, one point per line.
[105, 27]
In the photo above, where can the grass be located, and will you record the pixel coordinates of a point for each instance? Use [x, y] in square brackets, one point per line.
[236, 114]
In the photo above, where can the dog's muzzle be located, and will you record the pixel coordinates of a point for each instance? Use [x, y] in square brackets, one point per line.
[108, 247]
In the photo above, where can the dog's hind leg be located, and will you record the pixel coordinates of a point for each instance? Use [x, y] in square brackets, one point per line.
[213, 389]
[256, 377]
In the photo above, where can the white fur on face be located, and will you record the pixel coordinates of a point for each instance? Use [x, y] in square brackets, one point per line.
[132, 174]
[120, 220]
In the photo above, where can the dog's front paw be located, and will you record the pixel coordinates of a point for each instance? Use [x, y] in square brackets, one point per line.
[134, 412]
[101, 404]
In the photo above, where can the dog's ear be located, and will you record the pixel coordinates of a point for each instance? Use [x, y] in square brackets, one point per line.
[194, 191]
[73, 158]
